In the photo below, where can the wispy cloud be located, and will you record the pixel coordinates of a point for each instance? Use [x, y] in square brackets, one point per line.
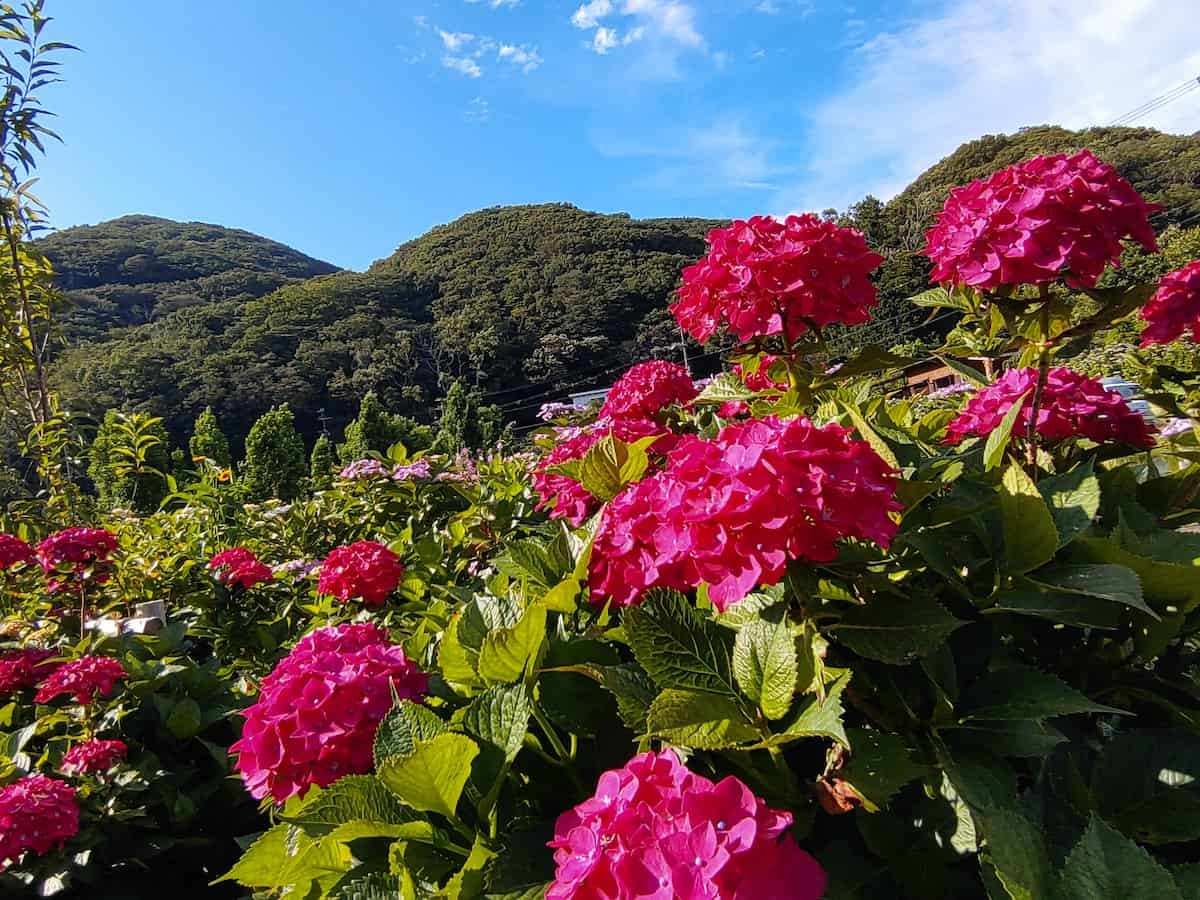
[463, 64]
[497, 4]
[666, 23]
[453, 40]
[479, 111]
[987, 66]
[524, 57]
[465, 52]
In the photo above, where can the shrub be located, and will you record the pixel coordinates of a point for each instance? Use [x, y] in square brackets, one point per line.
[274, 463]
[208, 441]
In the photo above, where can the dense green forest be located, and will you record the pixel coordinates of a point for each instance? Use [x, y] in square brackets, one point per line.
[525, 302]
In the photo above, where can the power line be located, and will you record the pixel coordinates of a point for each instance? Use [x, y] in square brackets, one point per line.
[1158, 102]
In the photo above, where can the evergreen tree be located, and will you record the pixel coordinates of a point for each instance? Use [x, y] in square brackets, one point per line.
[370, 430]
[321, 464]
[466, 422]
[208, 440]
[129, 461]
[275, 465]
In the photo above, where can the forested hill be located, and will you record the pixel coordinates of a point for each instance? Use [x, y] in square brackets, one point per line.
[137, 268]
[525, 301]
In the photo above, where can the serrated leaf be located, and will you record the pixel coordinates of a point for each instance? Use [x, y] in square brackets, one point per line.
[508, 653]
[468, 882]
[679, 648]
[1021, 738]
[1147, 784]
[1055, 606]
[1118, 584]
[765, 666]
[1023, 692]
[630, 686]
[1074, 500]
[350, 798]
[499, 717]
[432, 777]
[819, 717]
[600, 470]
[1030, 538]
[698, 720]
[894, 630]
[724, 388]
[870, 435]
[879, 766]
[406, 724]
[1017, 850]
[749, 609]
[376, 886]
[997, 440]
[1107, 864]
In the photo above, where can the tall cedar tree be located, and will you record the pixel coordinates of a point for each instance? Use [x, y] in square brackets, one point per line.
[275, 465]
[321, 464]
[208, 440]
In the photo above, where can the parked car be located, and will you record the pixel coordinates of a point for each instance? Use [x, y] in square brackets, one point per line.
[1132, 394]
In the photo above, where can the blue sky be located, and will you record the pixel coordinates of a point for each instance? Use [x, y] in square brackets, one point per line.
[346, 129]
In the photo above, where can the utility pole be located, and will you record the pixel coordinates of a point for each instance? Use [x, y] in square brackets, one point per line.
[324, 420]
[683, 345]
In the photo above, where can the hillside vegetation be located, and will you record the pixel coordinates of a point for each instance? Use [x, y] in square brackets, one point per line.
[524, 301]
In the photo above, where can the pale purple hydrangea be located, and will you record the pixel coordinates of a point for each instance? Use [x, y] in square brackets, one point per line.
[298, 569]
[412, 471]
[951, 390]
[551, 411]
[365, 468]
[1176, 427]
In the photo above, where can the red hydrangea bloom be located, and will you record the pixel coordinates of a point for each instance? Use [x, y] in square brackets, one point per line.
[239, 566]
[14, 552]
[1174, 308]
[24, 668]
[85, 678]
[565, 497]
[655, 830]
[366, 569]
[93, 756]
[1073, 405]
[316, 717]
[74, 550]
[1037, 221]
[646, 389]
[763, 275]
[732, 511]
[36, 813]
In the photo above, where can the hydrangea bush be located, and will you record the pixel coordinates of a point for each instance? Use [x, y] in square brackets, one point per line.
[773, 635]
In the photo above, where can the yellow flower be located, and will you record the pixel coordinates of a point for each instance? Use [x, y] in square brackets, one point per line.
[226, 475]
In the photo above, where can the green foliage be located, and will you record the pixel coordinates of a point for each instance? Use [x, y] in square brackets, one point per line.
[321, 464]
[130, 461]
[375, 429]
[274, 463]
[466, 422]
[208, 441]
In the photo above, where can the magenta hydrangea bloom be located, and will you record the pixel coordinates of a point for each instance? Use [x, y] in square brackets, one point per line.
[84, 678]
[565, 497]
[15, 552]
[1047, 218]
[239, 566]
[732, 511]
[1174, 308]
[646, 389]
[316, 716]
[655, 829]
[364, 569]
[20, 669]
[1073, 405]
[760, 379]
[764, 275]
[93, 756]
[73, 551]
[37, 814]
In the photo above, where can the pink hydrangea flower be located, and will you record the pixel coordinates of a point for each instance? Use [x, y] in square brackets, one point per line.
[1036, 222]
[1073, 405]
[655, 829]
[764, 276]
[93, 756]
[37, 814]
[73, 551]
[565, 497]
[646, 389]
[365, 569]
[15, 552]
[84, 678]
[364, 468]
[239, 566]
[1174, 308]
[732, 511]
[413, 471]
[20, 669]
[316, 717]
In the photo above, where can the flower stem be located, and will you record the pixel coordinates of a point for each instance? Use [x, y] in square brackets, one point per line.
[1043, 372]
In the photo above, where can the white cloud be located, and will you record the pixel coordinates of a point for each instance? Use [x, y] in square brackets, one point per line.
[496, 4]
[453, 40]
[988, 66]
[726, 154]
[479, 111]
[590, 14]
[524, 57]
[768, 7]
[604, 39]
[463, 64]
[675, 21]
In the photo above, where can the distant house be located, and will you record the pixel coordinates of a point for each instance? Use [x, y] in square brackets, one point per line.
[585, 398]
[932, 374]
